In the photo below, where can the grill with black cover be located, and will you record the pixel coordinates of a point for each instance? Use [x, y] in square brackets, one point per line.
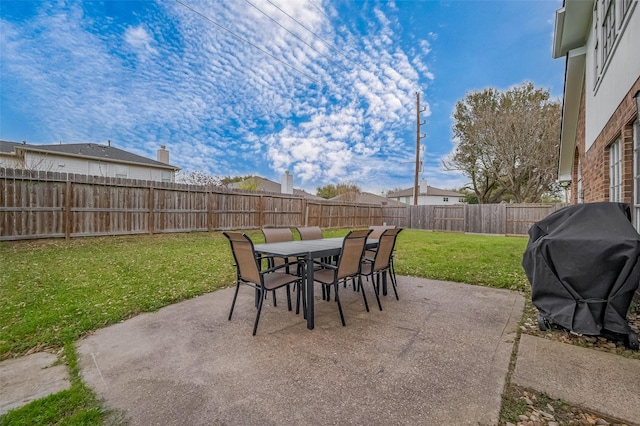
[582, 263]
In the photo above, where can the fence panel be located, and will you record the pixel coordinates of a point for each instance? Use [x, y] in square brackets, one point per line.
[520, 217]
[485, 218]
[282, 212]
[53, 205]
[500, 219]
[396, 216]
[29, 206]
[448, 218]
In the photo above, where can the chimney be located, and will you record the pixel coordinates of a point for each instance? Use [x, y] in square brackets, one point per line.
[163, 155]
[286, 185]
[423, 187]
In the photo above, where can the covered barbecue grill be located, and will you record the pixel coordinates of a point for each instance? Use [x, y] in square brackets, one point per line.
[582, 263]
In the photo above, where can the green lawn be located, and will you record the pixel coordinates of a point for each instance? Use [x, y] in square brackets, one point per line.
[54, 291]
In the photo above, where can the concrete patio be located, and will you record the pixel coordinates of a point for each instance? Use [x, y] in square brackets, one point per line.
[438, 356]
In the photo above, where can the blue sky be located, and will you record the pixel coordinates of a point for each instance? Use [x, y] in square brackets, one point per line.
[324, 89]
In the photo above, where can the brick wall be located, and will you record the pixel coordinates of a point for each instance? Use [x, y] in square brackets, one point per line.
[595, 162]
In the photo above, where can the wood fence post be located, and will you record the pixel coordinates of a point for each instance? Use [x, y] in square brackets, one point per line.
[209, 211]
[465, 223]
[151, 202]
[306, 215]
[67, 210]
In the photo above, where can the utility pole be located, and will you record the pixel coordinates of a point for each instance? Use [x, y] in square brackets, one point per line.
[416, 189]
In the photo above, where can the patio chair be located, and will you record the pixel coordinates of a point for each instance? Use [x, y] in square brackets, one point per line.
[376, 231]
[314, 233]
[248, 272]
[348, 265]
[278, 235]
[310, 233]
[382, 262]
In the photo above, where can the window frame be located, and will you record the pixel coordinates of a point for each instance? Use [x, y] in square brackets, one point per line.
[596, 47]
[609, 30]
[166, 176]
[636, 174]
[615, 171]
[579, 183]
[121, 171]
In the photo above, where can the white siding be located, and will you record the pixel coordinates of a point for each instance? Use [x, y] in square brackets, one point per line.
[620, 73]
[84, 166]
[8, 162]
[431, 200]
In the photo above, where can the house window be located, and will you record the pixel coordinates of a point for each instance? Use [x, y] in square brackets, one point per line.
[579, 184]
[636, 174]
[608, 28]
[166, 176]
[615, 171]
[122, 171]
[445, 199]
[596, 58]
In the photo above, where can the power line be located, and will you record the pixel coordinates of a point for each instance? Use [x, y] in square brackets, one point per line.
[319, 10]
[316, 35]
[245, 40]
[296, 36]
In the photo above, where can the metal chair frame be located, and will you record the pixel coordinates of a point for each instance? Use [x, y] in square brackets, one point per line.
[249, 272]
[348, 266]
[382, 262]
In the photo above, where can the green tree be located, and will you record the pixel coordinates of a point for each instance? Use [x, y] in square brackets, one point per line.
[327, 191]
[233, 179]
[469, 196]
[249, 184]
[507, 143]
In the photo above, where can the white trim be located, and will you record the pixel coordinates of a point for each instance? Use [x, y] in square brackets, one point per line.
[615, 171]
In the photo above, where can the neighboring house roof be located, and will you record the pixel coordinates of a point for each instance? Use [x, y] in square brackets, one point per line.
[8, 147]
[367, 198]
[436, 192]
[86, 150]
[271, 186]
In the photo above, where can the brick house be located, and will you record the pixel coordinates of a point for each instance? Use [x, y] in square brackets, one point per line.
[600, 138]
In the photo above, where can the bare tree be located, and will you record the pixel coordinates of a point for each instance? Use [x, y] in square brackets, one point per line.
[198, 178]
[507, 143]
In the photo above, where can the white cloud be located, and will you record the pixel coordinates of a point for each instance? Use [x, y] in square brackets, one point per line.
[219, 103]
[140, 40]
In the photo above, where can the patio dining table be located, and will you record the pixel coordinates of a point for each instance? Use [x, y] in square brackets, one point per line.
[307, 250]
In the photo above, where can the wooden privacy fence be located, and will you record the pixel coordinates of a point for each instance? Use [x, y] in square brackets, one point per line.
[501, 219]
[60, 205]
